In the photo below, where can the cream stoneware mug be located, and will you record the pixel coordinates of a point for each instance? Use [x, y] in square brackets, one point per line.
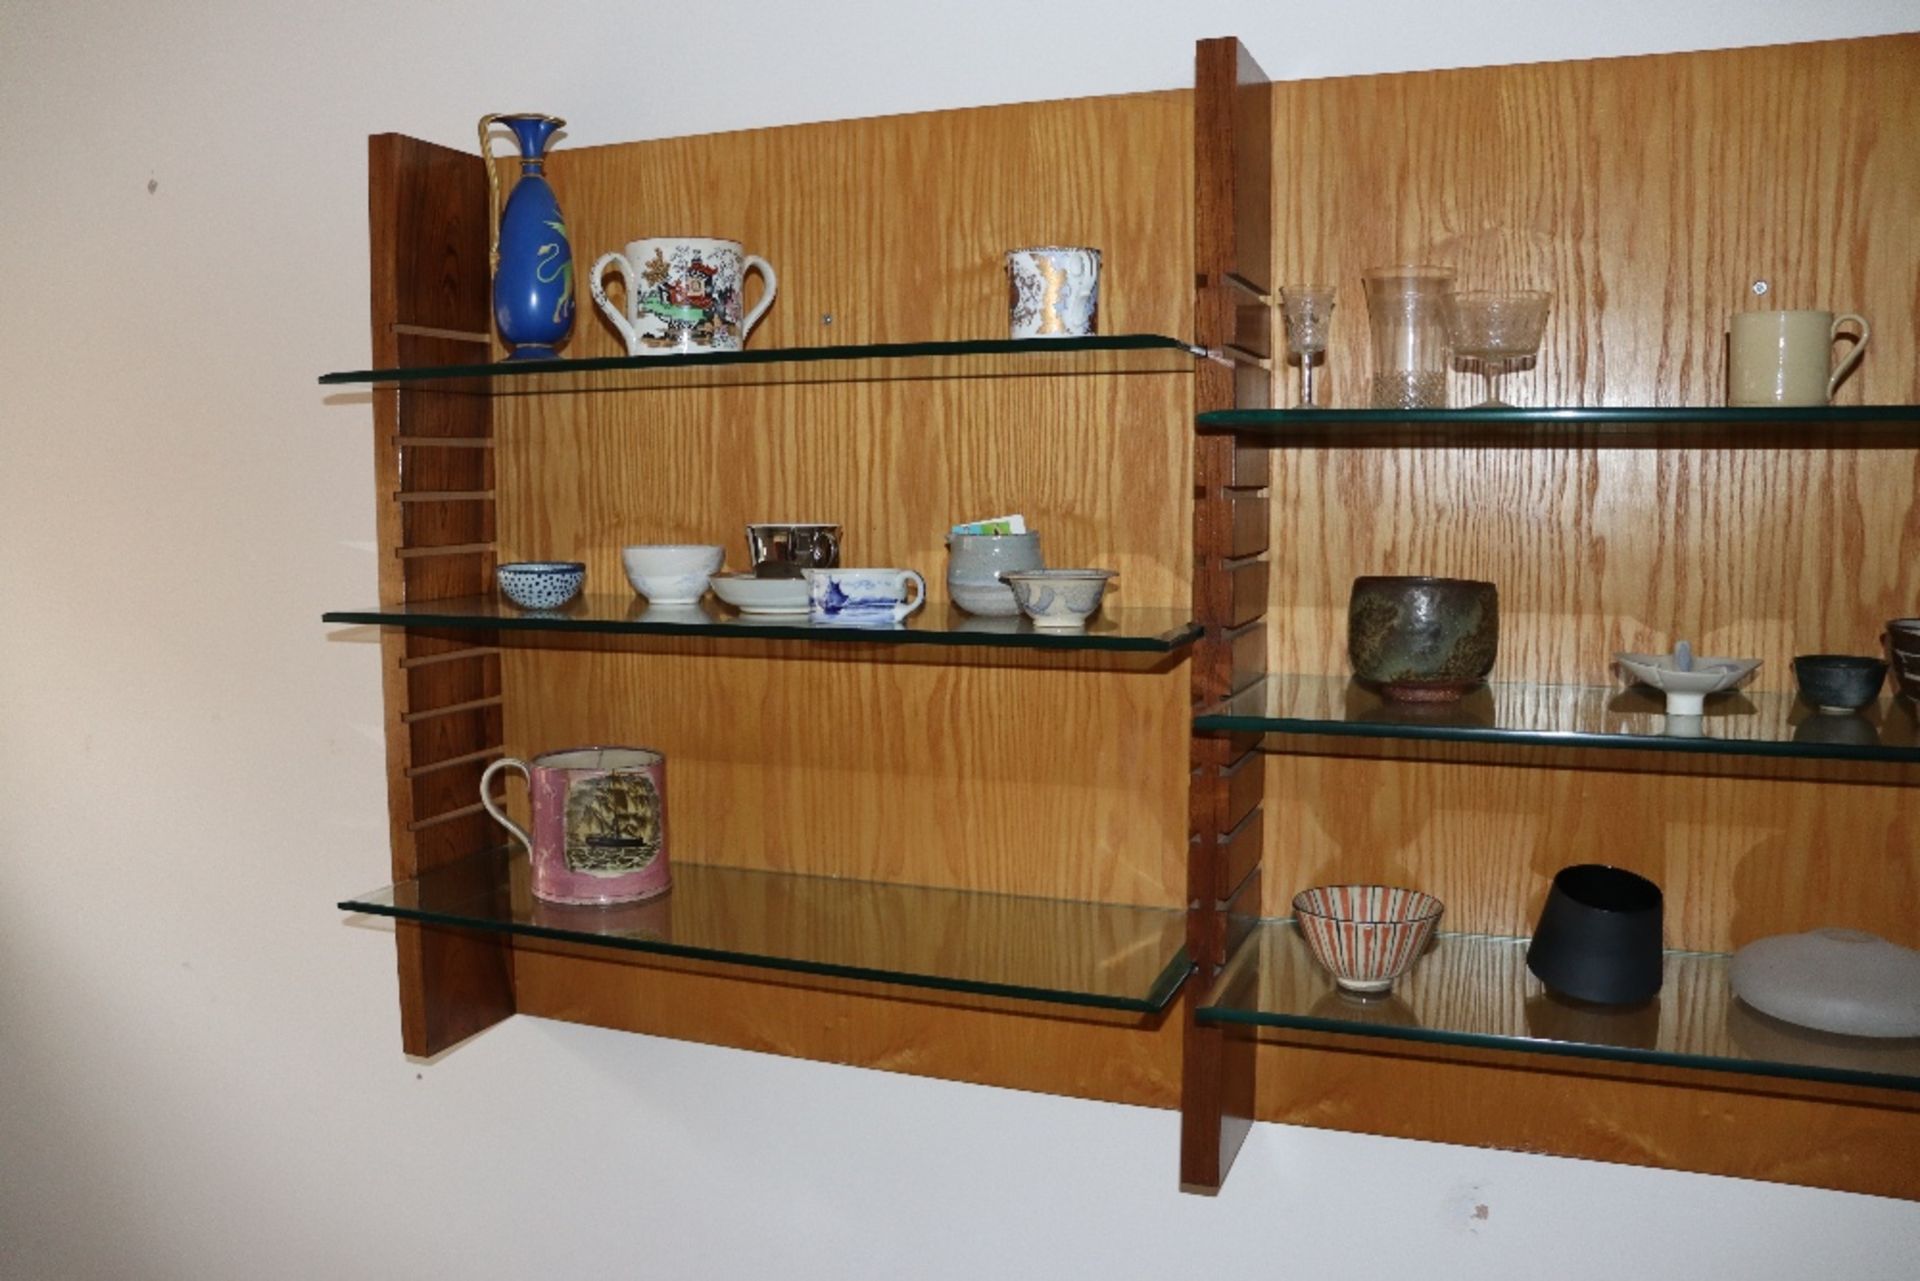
[1786, 357]
[684, 294]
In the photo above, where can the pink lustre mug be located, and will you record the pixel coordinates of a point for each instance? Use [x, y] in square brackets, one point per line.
[599, 822]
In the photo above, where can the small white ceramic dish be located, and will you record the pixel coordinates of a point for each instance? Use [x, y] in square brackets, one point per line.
[1058, 599]
[671, 573]
[752, 595]
[1686, 690]
[1845, 981]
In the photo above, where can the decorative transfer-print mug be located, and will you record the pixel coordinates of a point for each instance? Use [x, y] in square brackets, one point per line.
[599, 822]
[1053, 292]
[684, 294]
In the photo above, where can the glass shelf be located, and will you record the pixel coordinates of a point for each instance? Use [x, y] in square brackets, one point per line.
[1141, 629]
[1738, 723]
[1108, 956]
[877, 362]
[1819, 426]
[1472, 990]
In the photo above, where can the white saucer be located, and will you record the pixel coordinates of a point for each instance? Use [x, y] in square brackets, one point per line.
[752, 595]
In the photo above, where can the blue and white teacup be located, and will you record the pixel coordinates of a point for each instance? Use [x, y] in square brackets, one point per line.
[864, 595]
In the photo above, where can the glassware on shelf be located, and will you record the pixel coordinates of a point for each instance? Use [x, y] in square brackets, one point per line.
[1407, 309]
[1498, 328]
[1308, 313]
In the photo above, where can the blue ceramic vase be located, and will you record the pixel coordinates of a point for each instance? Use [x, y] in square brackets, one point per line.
[532, 258]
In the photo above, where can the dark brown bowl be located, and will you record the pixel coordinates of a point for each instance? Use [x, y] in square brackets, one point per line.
[1423, 639]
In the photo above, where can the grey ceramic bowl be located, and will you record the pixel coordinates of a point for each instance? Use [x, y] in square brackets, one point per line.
[1839, 683]
[1423, 639]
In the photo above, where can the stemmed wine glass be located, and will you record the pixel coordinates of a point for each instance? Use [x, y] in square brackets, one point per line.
[1308, 312]
[1498, 328]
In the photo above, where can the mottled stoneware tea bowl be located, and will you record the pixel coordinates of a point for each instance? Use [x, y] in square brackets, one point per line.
[1423, 639]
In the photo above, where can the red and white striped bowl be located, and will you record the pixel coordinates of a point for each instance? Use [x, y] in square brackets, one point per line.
[1366, 935]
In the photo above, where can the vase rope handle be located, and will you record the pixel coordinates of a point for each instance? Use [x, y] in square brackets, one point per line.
[493, 195]
[493, 177]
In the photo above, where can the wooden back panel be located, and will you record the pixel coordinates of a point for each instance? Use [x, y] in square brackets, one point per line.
[1648, 194]
[1041, 774]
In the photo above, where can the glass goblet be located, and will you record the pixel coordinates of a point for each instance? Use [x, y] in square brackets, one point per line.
[1497, 328]
[1308, 313]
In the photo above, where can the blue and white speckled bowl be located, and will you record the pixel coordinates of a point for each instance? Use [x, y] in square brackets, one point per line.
[541, 584]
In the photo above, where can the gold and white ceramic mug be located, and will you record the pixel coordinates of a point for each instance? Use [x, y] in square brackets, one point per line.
[1786, 357]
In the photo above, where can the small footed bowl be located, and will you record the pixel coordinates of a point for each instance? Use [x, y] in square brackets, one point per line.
[1058, 598]
[541, 584]
[1366, 936]
[1686, 691]
[1839, 683]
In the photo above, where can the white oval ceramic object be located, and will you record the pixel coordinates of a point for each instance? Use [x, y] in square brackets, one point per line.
[751, 595]
[1846, 981]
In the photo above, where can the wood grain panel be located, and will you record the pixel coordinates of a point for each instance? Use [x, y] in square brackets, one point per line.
[1061, 779]
[1708, 1122]
[1038, 774]
[1120, 1059]
[898, 228]
[1739, 858]
[1648, 194]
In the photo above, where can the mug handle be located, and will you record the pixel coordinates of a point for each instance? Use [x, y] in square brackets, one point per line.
[919, 597]
[486, 776]
[773, 286]
[600, 299]
[1853, 357]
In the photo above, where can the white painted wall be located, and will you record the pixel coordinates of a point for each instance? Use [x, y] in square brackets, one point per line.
[198, 1065]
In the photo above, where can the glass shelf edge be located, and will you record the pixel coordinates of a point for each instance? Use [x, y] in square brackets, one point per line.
[852, 353]
[1167, 641]
[1588, 415]
[1557, 1049]
[1222, 718]
[1674, 1058]
[1160, 993]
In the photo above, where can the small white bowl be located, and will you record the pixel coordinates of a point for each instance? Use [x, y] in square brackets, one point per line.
[671, 573]
[1058, 598]
[541, 584]
[752, 595]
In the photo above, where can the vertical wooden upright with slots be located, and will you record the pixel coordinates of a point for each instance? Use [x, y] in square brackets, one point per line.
[433, 469]
[1233, 165]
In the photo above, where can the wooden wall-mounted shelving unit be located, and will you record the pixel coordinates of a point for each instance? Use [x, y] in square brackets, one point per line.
[1035, 867]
